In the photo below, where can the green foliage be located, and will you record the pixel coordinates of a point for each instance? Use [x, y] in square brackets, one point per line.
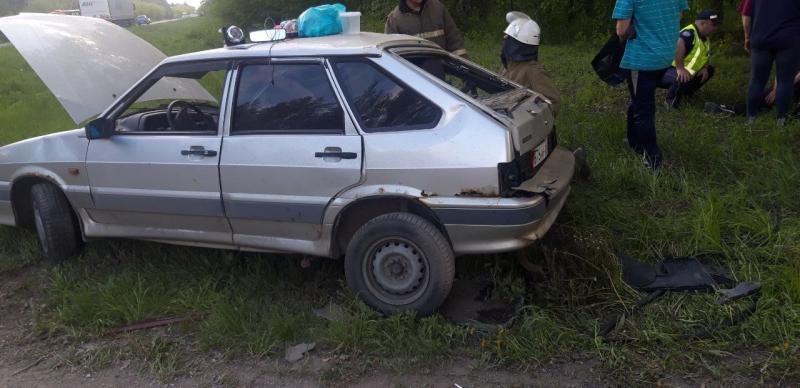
[154, 11]
[562, 21]
[49, 5]
[179, 9]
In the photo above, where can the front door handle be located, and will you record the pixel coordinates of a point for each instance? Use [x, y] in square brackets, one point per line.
[199, 151]
[335, 154]
[340, 155]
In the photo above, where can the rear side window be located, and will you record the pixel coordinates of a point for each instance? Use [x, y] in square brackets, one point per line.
[286, 98]
[471, 80]
[382, 104]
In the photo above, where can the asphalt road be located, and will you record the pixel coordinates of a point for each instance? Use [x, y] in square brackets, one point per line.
[166, 21]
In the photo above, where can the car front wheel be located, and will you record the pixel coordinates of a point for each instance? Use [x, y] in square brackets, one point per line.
[400, 262]
[55, 223]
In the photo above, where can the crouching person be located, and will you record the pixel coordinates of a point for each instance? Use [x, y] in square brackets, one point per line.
[520, 58]
[691, 69]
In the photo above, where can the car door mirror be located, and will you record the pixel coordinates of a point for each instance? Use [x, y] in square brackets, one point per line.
[100, 129]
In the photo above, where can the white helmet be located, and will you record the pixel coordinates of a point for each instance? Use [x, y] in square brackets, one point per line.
[522, 28]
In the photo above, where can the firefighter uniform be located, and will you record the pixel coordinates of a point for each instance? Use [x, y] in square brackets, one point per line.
[532, 75]
[433, 22]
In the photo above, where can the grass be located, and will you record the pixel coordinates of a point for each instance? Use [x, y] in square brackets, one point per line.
[726, 190]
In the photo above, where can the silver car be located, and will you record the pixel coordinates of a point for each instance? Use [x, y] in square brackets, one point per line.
[380, 149]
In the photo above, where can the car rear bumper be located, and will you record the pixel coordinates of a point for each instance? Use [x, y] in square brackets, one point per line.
[478, 225]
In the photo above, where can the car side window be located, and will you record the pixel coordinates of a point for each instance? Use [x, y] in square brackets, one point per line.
[180, 99]
[381, 103]
[286, 98]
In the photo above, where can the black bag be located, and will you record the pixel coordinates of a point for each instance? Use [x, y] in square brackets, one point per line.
[606, 63]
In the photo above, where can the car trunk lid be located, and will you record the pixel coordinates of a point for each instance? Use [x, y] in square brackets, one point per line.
[530, 116]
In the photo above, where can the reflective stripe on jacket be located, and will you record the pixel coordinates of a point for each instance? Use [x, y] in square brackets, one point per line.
[698, 58]
[433, 23]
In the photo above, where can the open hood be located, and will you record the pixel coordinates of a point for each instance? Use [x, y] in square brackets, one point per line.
[87, 63]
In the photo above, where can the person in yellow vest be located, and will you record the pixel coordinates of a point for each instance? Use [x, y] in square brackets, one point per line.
[691, 68]
[520, 58]
[427, 19]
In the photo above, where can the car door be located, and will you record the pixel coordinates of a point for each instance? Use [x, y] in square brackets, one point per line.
[291, 148]
[157, 177]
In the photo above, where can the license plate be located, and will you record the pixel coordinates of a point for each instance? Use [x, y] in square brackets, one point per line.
[540, 153]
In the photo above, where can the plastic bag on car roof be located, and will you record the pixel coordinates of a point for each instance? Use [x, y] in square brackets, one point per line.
[320, 21]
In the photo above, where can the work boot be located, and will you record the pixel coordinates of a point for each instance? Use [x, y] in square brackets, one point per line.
[673, 102]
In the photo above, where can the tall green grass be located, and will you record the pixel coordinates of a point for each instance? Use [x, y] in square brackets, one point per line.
[726, 189]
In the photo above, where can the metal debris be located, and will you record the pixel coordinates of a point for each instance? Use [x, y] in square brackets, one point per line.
[298, 352]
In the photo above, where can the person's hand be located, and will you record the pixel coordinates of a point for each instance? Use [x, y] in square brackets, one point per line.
[683, 75]
[770, 98]
[747, 46]
[703, 74]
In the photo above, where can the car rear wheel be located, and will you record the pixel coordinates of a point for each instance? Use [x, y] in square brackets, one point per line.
[400, 262]
[55, 223]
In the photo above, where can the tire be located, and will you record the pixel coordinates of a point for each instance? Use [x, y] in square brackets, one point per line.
[55, 223]
[418, 264]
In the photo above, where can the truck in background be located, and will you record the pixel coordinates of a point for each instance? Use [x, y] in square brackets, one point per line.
[120, 12]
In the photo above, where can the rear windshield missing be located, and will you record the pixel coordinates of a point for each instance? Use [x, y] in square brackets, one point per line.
[462, 75]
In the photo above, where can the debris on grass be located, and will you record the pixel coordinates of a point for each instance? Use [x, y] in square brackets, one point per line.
[332, 313]
[682, 274]
[470, 305]
[298, 352]
[151, 324]
[29, 366]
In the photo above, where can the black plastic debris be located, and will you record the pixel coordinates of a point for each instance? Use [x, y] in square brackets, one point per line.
[682, 274]
[471, 304]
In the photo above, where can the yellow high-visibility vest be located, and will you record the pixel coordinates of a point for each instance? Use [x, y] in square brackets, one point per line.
[698, 58]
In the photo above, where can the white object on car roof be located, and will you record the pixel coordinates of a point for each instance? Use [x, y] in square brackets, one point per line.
[351, 22]
[88, 62]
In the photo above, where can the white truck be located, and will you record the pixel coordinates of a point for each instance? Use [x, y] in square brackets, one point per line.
[121, 12]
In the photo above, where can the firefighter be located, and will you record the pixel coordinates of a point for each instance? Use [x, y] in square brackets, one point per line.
[427, 19]
[520, 58]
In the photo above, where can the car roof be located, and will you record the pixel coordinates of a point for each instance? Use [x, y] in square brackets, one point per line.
[360, 44]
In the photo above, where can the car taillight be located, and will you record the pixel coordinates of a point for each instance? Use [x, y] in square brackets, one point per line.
[524, 167]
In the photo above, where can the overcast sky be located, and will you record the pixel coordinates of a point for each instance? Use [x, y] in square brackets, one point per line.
[193, 3]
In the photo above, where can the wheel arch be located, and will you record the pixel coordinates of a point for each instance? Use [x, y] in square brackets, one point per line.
[359, 212]
[21, 198]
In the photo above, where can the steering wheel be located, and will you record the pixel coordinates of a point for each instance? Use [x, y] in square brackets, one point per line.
[185, 107]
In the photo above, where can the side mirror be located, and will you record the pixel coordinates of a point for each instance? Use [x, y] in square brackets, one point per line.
[99, 129]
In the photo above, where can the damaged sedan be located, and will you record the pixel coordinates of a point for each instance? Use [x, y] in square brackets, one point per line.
[383, 150]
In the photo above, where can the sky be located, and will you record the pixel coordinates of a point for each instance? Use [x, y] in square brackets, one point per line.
[193, 3]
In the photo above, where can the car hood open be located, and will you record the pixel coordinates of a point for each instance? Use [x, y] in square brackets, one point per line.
[87, 63]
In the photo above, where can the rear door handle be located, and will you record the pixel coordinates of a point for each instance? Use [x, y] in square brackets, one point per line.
[199, 151]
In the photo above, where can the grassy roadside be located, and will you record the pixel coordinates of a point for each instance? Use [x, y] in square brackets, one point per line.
[725, 189]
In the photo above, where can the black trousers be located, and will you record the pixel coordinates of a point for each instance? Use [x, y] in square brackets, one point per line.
[642, 114]
[786, 62]
[678, 90]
